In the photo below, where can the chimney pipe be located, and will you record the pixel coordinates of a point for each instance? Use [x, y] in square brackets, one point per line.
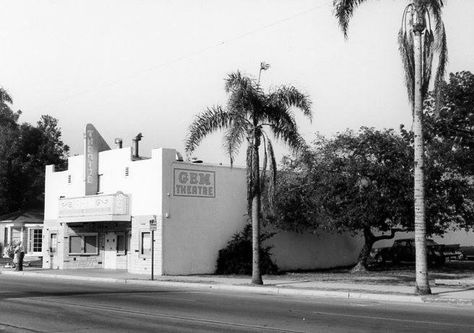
[135, 141]
[118, 143]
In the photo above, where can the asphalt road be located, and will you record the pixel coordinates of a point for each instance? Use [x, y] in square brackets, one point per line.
[40, 305]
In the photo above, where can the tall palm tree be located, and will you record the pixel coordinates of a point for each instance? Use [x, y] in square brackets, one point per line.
[421, 36]
[251, 115]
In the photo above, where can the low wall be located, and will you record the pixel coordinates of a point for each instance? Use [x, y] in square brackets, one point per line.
[305, 251]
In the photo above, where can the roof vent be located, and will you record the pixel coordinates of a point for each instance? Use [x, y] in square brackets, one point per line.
[118, 143]
[135, 141]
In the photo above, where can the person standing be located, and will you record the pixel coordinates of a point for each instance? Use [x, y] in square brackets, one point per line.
[19, 255]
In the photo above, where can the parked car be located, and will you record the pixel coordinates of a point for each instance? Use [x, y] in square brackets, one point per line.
[453, 251]
[404, 250]
[467, 252]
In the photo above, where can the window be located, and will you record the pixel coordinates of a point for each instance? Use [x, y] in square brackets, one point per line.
[75, 244]
[145, 241]
[121, 244]
[35, 240]
[84, 244]
[90, 244]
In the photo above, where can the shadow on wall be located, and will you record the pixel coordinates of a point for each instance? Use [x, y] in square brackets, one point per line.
[306, 251]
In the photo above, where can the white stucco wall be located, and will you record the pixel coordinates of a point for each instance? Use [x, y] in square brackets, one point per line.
[197, 228]
[56, 185]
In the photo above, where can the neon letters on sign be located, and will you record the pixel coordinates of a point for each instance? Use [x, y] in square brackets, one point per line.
[194, 183]
[91, 156]
[94, 143]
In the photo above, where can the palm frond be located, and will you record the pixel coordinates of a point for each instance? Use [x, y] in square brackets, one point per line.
[214, 118]
[343, 10]
[289, 96]
[236, 81]
[287, 133]
[442, 48]
[405, 46]
[264, 161]
[435, 9]
[270, 156]
[245, 97]
[428, 51]
[234, 137]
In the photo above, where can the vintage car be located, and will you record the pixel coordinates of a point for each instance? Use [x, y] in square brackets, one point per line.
[404, 250]
[467, 252]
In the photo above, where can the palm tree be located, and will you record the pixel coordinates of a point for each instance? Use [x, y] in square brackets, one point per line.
[421, 35]
[251, 115]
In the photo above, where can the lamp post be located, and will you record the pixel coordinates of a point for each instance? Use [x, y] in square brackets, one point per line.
[263, 67]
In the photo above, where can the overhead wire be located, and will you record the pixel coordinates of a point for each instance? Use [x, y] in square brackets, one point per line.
[189, 55]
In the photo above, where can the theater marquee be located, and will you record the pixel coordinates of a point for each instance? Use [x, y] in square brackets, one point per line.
[194, 183]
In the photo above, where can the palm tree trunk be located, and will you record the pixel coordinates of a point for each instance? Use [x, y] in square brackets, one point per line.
[422, 284]
[256, 274]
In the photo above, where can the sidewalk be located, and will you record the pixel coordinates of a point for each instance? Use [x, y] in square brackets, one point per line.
[460, 292]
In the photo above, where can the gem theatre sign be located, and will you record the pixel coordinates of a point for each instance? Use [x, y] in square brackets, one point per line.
[194, 183]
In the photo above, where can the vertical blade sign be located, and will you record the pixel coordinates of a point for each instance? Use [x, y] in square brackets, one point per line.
[93, 144]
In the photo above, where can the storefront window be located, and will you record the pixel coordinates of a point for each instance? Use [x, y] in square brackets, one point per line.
[145, 243]
[83, 244]
[75, 244]
[90, 244]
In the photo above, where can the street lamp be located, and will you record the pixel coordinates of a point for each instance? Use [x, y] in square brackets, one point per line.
[263, 67]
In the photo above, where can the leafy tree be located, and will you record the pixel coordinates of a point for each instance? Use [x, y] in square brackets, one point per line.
[421, 35]
[451, 130]
[359, 183]
[249, 114]
[346, 182]
[449, 142]
[24, 152]
[9, 129]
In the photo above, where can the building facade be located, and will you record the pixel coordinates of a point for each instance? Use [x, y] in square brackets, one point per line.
[104, 210]
[25, 227]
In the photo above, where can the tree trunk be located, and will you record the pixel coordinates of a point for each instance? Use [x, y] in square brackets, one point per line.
[422, 284]
[256, 274]
[369, 241]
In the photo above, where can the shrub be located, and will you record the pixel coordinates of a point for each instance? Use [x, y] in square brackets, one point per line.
[9, 251]
[236, 257]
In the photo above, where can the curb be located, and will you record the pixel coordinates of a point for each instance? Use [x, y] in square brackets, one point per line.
[454, 282]
[283, 291]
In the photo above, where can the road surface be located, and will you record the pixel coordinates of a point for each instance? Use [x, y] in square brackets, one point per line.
[40, 305]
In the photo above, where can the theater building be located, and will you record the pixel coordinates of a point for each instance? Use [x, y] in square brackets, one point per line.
[104, 210]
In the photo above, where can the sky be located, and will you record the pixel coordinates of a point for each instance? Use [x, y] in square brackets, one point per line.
[150, 66]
